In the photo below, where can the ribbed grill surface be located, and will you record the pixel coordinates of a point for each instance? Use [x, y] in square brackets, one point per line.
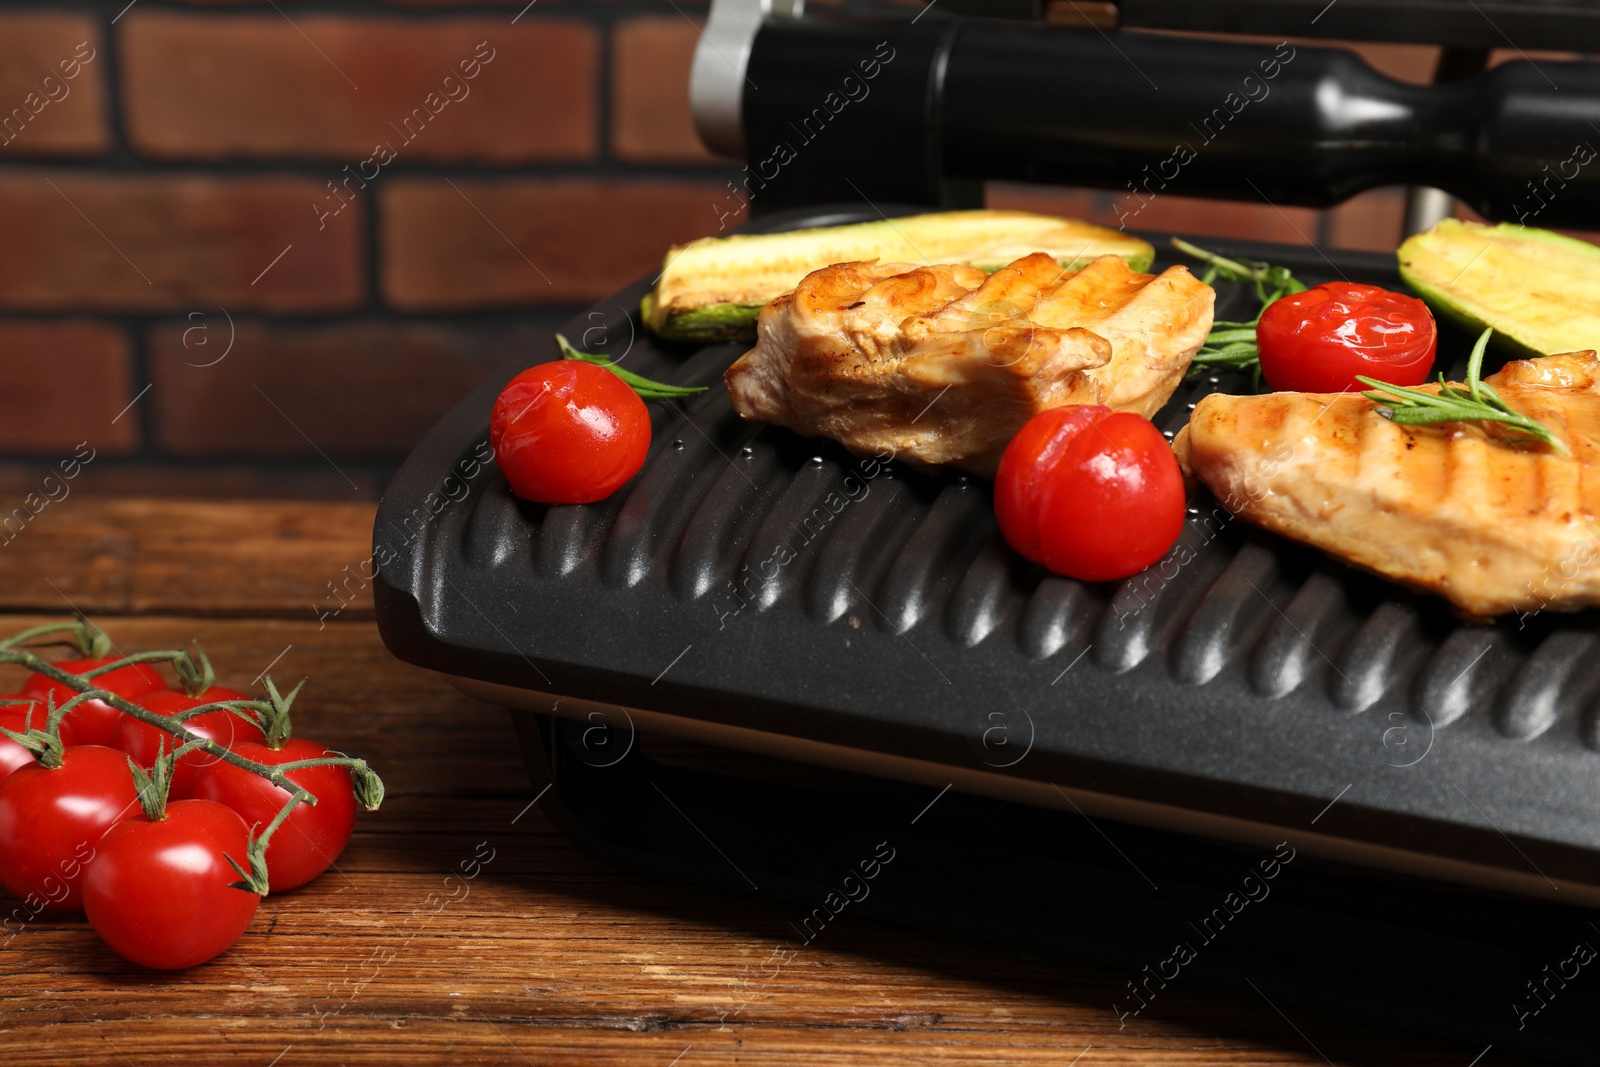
[765, 521]
[755, 578]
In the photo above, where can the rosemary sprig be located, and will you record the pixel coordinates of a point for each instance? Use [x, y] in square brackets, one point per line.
[1270, 282]
[1478, 402]
[649, 390]
[1232, 345]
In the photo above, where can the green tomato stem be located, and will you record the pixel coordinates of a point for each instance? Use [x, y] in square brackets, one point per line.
[160, 722]
[129, 661]
[257, 880]
[83, 635]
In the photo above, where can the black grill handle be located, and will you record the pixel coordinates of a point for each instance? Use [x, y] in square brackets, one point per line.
[1143, 114]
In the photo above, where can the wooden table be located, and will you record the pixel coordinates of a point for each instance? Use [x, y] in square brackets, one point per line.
[550, 958]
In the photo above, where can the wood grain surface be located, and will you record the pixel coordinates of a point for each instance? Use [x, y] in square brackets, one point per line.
[545, 957]
[145, 557]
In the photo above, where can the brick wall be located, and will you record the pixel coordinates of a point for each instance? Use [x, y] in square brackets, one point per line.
[253, 248]
[368, 207]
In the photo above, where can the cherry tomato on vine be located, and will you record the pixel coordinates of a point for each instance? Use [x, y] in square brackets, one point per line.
[312, 838]
[94, 721]
[16, 717]
[145, 742]
[1319, 340]
[1091, 493]
[568, 432]
[158, 892]
[52, 819]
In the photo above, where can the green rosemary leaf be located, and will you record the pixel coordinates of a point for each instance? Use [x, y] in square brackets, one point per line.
[645, 387]
[1241, 358]
[1222, 337]
[1422, 416]
[1478, 402]
[1232, 345]
[1475, 367]
[1231, 269]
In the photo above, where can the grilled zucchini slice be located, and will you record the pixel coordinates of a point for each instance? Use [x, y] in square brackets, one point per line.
[714, 288]
[1540, 291]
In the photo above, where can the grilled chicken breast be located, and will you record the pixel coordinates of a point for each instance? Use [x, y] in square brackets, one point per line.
[942, 364]
[1454, 509]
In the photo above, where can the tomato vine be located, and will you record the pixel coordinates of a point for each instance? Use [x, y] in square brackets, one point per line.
[195, 674]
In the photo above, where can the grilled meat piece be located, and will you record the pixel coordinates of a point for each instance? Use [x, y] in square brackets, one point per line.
[942, 364]
[1454, 509]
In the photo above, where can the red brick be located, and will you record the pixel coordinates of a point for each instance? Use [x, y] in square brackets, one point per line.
[1465, 212]
[1224, 218]
[541, 6]
[1592, 236]
[650, 117]
[174, 243]
[499, 243]
[517, 4]
[1164, 212]
[1370, 221]
[1511, 55]
[65, 382]
[1412, 63]
[361, 389]
[60, 116]
[695, 6]
[251, 86]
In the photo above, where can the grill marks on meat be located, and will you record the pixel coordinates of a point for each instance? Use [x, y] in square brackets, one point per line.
[943, 364]
[1453, 509]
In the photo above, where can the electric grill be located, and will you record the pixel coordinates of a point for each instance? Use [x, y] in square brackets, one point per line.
[1094, 770]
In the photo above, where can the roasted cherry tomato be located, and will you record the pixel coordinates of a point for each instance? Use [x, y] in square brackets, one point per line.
[159, 892]
[52, 819]
[145, 742]
[1090, 493]
[1319, 340]
[568, 432]
[94, 721]
[311, 838]
[16, 717]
